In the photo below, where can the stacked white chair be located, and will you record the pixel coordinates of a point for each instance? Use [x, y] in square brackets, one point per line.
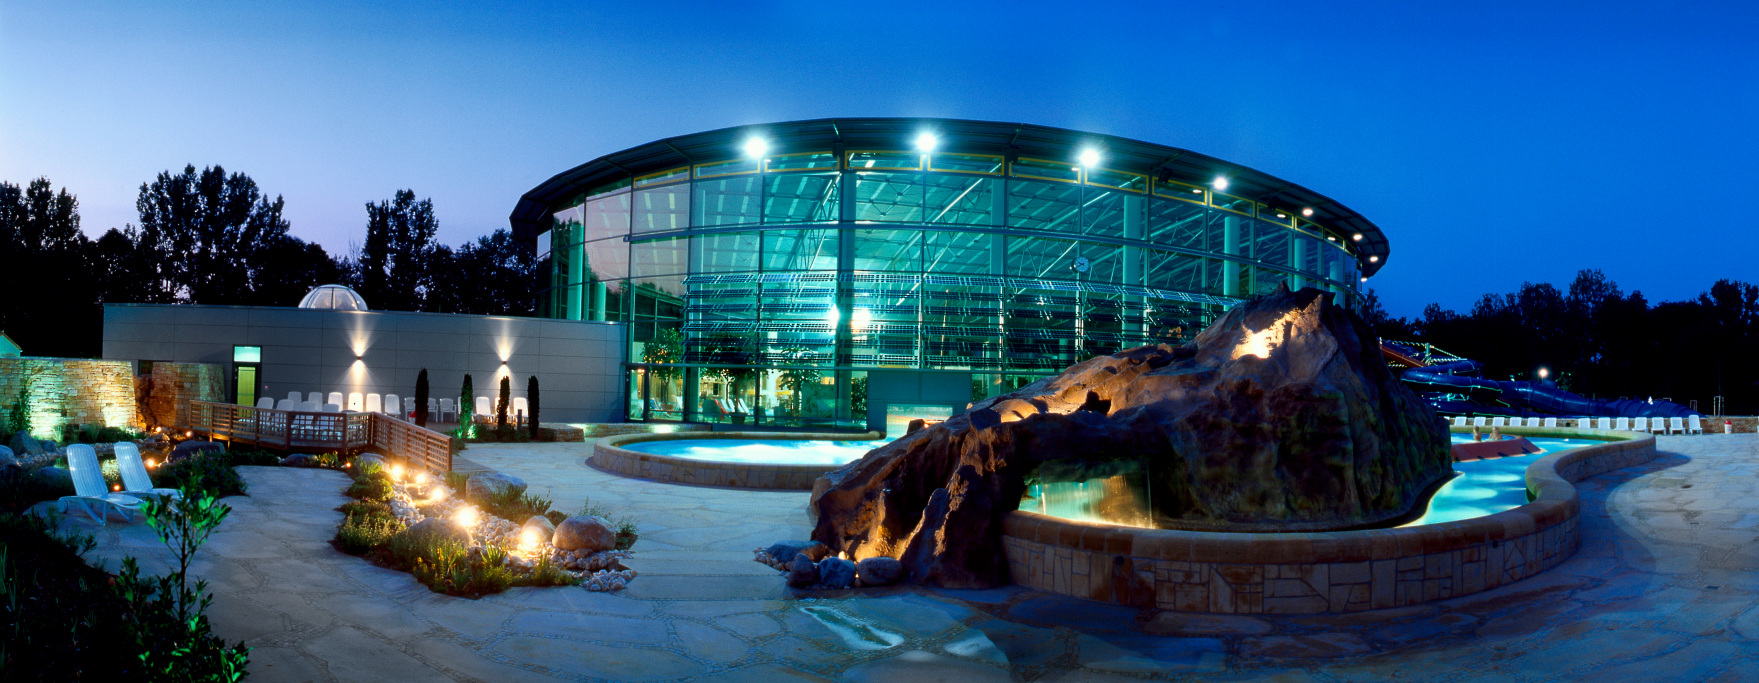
[285, 404]
[293, 396]
[334, 397]
[1481, 421]
[374, 403]
[1676, 425]
[1640, 424]
[1658, 424]
[265, 402]
[1500, 421]
[483, 408]
[392, 403]
[409, 405]
[315, 397]
[521, 408]
[1459, 420]
[332, 407]
[447, 410]
[1603, 423]
[1695, 427]
[356, 401]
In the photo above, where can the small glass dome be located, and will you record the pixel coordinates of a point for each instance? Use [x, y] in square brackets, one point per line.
[333, 298]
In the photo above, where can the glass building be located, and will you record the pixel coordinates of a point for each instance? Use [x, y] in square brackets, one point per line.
[766, 272]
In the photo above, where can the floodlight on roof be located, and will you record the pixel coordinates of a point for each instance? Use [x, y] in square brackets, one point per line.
[1307, 211]
[755, 147]
[926, 141]
[1090, 157]
[1221, 183]
[1374, 259]
[1357, 237]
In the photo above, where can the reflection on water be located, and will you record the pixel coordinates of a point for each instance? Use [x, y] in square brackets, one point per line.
[1120, 499]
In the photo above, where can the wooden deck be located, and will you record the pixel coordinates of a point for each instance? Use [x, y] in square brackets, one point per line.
[292, 430]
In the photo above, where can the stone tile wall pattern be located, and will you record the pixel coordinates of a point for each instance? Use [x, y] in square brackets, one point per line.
[164, 395]
[69, 391]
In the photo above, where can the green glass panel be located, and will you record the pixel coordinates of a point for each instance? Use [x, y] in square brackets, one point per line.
[660, 257]
[726, 201]
[607, 259]
[1039, 205]
[800, 198]
[1177, 224]
[888, 250]
[959, 199]
[969, 163]
[736, 166]
[1231, 202]
[1039, 168]
[794, 162]
[1272, 243]
[662, 208]
[885, 160]
[1106, 263]
[1117, 179]
[664, 178]
[607, 216]
[725, 252]
[959, 253]
[1041, 257]
[1179, 272]
[888, 197]
[1107, 212]
[788, 250]
[1230, 234]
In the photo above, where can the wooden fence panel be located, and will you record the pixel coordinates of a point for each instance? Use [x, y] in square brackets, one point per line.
[320, 431]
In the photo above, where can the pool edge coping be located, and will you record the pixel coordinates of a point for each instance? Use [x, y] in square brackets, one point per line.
[608, 453]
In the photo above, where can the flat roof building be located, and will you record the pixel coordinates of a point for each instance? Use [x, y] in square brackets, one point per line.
[830, 273]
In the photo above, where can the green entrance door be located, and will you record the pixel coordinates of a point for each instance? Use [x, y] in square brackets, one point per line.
[245, 384]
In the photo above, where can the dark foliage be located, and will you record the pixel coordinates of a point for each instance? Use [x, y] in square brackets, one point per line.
[396, 264]
[210, 472]
[421, 398]
[466, 400]
[502, 402]
[531, 398]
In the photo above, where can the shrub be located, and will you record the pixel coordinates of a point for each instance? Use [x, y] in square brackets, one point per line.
[366, 509]
[516, 506]
[376, 487]
[625, 525]
[456, 481]
[421, 398]
[90, 433]
[546, 573]
[254, 458]
[444, 565]
[20, 489]
[556, 516]
[18, 417]
[210, 472]
[531, 397]
[466, 401]
[359, 534]
[502, 402]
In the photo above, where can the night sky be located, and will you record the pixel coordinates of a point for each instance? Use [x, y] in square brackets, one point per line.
[1494, 146]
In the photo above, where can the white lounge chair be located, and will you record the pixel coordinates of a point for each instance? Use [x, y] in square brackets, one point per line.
[1550, 423]
[1676, 425]
[1695, 427]
[1499, 421]
[1658, 424]
[1603, 423]
[294, 396]
[1622, 424]
[356, 401]
[89, 489]
[286, 404]
[1459, 420]
[135, 480]
[265, 402]
[315, 397]
[1640, 424]
[336, 398]
[1481, 421]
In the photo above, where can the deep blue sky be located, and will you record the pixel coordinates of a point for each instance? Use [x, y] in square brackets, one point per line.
[1493, 144]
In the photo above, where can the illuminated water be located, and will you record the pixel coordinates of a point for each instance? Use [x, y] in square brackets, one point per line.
[764, 451]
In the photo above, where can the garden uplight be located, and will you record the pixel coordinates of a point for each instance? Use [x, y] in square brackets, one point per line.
[396, 472]
[528, 540]
[466, 517]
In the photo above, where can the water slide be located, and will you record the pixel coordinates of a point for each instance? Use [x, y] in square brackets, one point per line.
[1454, 385]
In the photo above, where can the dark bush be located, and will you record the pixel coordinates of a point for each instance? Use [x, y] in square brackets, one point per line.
[531, 396]
[375, 487]
[357, 535]
[254, 458]
[421, 398]
[503, 402]
[208, 471]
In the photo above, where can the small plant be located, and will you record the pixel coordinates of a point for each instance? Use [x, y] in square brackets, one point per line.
[254, 458]
[556, 516]
[193, 652]
[366, 509]
[376, 487]
[209, 472]
[421, 398]
[624, 524]
[444, 565]
[531, 396]
[456, 481]
[358, 535]
[515, 505]
[546, 573]
[18, 417]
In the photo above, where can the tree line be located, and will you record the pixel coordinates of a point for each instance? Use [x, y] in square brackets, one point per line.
[1598, 341]
[213, 237]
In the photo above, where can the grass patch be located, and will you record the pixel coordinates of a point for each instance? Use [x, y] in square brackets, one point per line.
[360, 534]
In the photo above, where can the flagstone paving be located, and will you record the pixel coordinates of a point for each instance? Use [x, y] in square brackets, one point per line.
[1665, 587]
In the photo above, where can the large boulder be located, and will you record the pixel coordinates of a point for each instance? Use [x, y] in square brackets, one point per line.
[836, 572]
[879, 571]
[7, 456]
[585, 532]
[190, 449]
[56, 479]
[1281, 416]
[22, 443]
[482, 487]
[439, 526]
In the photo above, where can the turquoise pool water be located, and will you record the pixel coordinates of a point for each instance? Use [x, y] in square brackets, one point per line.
[1486, 487]
[760, 451]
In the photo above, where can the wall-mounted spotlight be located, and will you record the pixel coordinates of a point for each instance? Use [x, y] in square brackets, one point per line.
[1221, 183]
[1307, 211]
[926, 141]
[1089, 157]
[756, 147]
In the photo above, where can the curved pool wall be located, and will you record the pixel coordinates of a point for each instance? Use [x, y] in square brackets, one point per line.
[1311, 573]
[609, 454]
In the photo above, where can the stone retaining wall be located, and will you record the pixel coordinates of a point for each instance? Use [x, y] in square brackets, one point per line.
[608, 454]
[164, 395]
[1306, 573]
[69, 391]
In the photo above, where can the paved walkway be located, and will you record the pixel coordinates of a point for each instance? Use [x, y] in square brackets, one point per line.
[1666, 587]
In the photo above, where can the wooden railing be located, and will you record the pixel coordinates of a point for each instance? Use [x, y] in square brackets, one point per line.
[320, 431]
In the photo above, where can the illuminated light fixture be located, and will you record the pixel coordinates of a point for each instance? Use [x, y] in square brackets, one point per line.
[1357, 237]
[528, 539]
[1307, 211]
[1089, 157]
[1374, 259]
[926, 141]
[396, 471]
[755, 147]
[1329, 238]
[1196, 190]
[503, 361]
[1220, 183]
[1364, 279]
[1544, 372]
[1280, 214]
[466, 517]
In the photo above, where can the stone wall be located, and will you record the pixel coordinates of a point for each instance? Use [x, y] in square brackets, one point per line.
[1306, 573]
[164, 395]
[69, 391]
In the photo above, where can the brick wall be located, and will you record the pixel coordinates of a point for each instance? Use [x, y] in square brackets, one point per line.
[69, 391]
[164, 395]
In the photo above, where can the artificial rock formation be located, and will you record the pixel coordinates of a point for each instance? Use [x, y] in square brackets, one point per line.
[1281, 416]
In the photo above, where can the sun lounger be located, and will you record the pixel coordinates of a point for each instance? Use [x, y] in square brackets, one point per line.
[89, 489]
[1658, 424]
[1481, 421]
[1695, 427]
[1499, 421]
[1459, 420]
[135, 480]
[1550, 422]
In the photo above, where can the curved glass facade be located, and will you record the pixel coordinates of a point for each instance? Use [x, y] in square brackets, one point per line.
[762, 291]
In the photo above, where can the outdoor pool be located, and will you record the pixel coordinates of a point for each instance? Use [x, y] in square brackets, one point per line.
[760, 451]
[1486, 487]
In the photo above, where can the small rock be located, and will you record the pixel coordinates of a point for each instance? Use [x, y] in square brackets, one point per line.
[56, 478]
[584, 532]
[546, 530]
[23, 443]
[802, 572]
[6, 456]
[482, 486]
[297, 460]
[836, 572]
[437, 525]
[785, 550]
[879, 571]
[372, 458]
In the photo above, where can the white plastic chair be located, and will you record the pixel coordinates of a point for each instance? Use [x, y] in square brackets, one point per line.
[332, 408]
[409, 405]
[335, 397]
[1695, 427]
[1622, 424]
[265, 402]
[374, 403]
[1676, 425]
[1500, 421]
[1658, 424]
[135, 481]
[483, 408]
[310, 407]
[285, 404]
[1481, 421]
[434, 410]
[521, 407]
[1603, 423]
[1550, 422]
[392, 403]
[315, 397]
[356, 401]
[447, 410]
[293, 396]
[89, 489]
[1640, 424]
[1459, 420]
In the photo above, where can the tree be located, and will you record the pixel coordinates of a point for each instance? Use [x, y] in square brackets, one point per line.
[531, 397]
[492, 276]
[466, 401]
[53, 310]
[394, 264]
[208, 238]
[421, 398]
[502, 401]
